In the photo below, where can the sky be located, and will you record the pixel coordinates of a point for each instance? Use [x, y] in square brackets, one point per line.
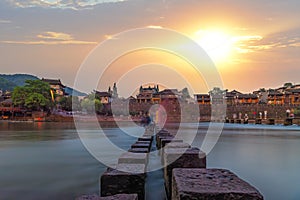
[253, 44]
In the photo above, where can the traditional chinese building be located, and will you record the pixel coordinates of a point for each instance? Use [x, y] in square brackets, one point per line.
[202, 99]
[170, 95]
[289, 94]
[131, 99]
[148, 94]
[247, 99]
[104, 97]
[56, 86]
[231, 97]
[292, 96]
[276, 97]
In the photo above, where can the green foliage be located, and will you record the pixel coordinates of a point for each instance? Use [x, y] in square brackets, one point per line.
[36, 101]
[70, 103]
[38, 86]
[19, 96]
[91, 104]
[297, 112]
[262, 90]
[288, 85]
[35, 95]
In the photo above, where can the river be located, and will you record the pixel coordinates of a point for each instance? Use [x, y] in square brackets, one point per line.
[48, 160]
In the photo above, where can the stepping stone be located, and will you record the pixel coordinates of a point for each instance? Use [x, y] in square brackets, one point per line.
[133, 158]
[181, 158]
[114, 181]
[115, 197]
[139, 150]
[160, 134]
[160, 137]
[141, 146]
[145, 138]
[173, 145]
[143, 142]
[167, 140]
[212, 184]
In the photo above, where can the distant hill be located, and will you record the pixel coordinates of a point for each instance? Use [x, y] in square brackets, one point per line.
[10, 81]
[16, 79]
[74, 92]
[6, 85]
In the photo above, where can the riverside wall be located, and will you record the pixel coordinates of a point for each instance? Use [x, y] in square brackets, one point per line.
[178, 112]
[174, 111]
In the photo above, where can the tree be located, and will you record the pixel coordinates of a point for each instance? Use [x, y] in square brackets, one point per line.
[70, 103]
[91, 104]
[19, 96]
[288, 85]
[297, 112]
[40, 87]
[75, 103]
[34, 95]
[262, 90]
[36, 101]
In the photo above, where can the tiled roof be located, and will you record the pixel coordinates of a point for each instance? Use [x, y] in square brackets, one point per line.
[248, 96]
[103, 94]
[53, 81]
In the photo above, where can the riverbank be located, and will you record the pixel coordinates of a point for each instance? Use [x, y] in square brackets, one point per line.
[137, 119]
[70, 118]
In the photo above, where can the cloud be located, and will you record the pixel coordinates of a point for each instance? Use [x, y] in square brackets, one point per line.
[295, 44]
[248, 44]
[51, 38]
[55, 36]
[62, 4]
[41, 42]
[154, 27]
[4, 21]
[110, 37]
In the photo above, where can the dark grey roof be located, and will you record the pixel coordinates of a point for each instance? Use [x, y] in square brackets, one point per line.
[247, 96]
[53, 81]
[103, 94]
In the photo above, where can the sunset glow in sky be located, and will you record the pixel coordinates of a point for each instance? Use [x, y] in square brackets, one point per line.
[253, 44]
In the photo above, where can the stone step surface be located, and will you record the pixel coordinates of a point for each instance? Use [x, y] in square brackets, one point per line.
[139, 150]
[114, 197]
[114, 181]
[181, 158]
[133, 158]
[211, 184]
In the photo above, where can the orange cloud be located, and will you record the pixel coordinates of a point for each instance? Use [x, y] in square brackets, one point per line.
[155, 27]
[110, 37]
[55, 36]
[52, 38]
[47, 42]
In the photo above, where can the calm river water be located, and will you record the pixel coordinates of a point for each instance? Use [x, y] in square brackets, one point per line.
[48, 160]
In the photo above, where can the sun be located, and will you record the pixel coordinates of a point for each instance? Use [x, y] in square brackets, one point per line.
[217, 44]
